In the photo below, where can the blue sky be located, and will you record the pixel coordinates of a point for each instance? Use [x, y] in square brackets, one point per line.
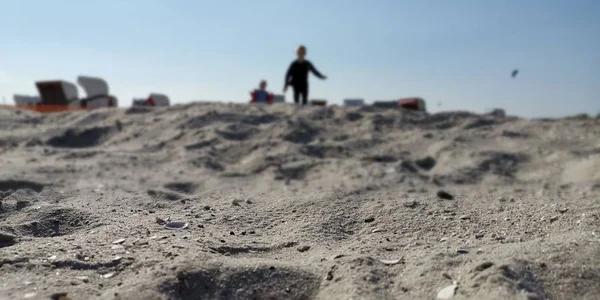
[456, 54]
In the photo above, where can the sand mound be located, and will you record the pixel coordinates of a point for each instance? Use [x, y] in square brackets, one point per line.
[48, 222]
[81, 138]
[282, 202]
[251, 282]
[13, 185]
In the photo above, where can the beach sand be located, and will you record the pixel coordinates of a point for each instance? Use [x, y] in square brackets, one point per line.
[284, 202]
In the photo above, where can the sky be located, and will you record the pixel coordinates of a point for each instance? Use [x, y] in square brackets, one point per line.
[457, 55]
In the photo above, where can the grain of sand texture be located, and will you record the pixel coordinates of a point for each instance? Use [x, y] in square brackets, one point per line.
[283, 202]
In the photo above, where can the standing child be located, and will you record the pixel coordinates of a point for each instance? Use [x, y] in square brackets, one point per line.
[297, 76]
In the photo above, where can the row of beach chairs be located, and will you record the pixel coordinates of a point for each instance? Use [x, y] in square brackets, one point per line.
[60, 95]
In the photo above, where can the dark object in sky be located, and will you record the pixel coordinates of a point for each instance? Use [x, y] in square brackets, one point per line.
[514, 73]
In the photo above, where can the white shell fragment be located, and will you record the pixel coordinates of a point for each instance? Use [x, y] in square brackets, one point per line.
[176, 225]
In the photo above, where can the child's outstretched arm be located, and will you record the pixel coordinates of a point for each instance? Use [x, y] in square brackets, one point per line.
[315, 71]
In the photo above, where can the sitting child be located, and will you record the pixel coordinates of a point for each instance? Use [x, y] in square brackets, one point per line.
[261, 95]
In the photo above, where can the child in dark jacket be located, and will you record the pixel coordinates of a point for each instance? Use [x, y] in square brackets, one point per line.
[297, 76]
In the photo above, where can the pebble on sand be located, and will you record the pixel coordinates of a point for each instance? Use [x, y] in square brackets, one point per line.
[59, 296]
[369, 220]
[303, 248]
[411, 204]
[119, 241]
[445, 195]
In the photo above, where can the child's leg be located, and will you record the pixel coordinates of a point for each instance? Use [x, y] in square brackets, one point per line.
[305, 96]
[296, 95]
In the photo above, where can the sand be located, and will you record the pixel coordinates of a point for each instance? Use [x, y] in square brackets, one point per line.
[282, 202]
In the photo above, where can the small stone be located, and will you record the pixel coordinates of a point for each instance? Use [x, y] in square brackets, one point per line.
[117, 247]
[377, 230]
[445, 195]
[141, 242]
[206, 207]
[464, 217]
[447, 292]
[85, 279]
[248, 201]
[501, 199]
[329, 276]
[411, 204]
[119, 241]
[479, 235]
[443, 239]
[59, 296]
[303, 248]
[369, 220]
[236, 202]
[533, 296]
[108, 275]
[562, 210]
[497, 237]
[29, 295]
[117, 258]
[160, 221]
[462, 251]
[483, 266]
[553, 219]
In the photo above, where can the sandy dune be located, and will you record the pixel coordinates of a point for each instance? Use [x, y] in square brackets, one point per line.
[297, 203]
